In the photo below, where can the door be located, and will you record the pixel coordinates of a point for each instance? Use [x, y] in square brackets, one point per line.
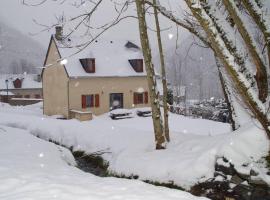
[116, 100]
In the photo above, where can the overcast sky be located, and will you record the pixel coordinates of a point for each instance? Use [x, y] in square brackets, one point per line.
[21, 17]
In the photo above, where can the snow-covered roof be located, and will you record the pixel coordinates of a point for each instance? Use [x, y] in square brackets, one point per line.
[111, 57]
[29, 81]
[4, 93]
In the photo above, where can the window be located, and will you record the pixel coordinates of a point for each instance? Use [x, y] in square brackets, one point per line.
[37, 96]
[116, 100]
[131, 45]
[17, 83]
[90, 100]
[137, 64]
[88, 64]
[140, 98]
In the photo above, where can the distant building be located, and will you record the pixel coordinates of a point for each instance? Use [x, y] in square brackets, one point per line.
[103, 76]
[20, 89]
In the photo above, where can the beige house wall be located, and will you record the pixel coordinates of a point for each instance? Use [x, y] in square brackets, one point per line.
[55, 85]
[104, 86]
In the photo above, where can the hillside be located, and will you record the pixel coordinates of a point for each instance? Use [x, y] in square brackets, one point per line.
[18, 52]
[193, 66]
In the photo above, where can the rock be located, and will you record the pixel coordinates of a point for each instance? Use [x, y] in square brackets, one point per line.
[219, 174]
[260, 193]
[243, 191]
[225, 169]
[243, 172]
[236, 180]
[253, 173]
[240, 183]
[256, 180]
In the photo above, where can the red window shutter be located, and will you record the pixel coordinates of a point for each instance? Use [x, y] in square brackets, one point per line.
[92, 100]
[146, 97]
[96, 100]
[93, 70]
[135, 98]
[83, 101]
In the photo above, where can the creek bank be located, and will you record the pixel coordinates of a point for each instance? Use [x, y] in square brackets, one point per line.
[230, 184]
[227, 184]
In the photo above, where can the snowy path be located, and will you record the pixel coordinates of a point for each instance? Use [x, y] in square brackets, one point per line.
[31, 168]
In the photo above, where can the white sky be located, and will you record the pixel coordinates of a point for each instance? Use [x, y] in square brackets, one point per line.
[13, 13]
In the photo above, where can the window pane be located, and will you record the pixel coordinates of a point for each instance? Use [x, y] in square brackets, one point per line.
[140, 98]
[88, 100]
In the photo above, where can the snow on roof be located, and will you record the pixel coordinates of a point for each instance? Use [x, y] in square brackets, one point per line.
[111, 57]
[29, 81]
[4, 93]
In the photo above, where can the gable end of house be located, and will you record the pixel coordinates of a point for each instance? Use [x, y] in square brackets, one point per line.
[45, 64]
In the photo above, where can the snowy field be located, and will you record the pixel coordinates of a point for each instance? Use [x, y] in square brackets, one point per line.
[189, 158]
[31, 168]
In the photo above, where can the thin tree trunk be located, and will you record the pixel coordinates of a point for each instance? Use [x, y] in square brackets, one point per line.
[154, 96]
[221, 52]
[163, 75]
[226, 96]
[261, 75]
[258, 19]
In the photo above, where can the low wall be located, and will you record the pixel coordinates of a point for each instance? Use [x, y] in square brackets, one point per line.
[23, 101]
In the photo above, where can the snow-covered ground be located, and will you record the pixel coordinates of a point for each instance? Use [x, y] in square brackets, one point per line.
[189, 158]
[31, 168]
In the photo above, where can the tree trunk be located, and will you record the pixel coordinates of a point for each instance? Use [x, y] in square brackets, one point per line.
[255, 106]
[154, 95]
[253, 9]
[261, 75]
[227, 96]
[163, 75]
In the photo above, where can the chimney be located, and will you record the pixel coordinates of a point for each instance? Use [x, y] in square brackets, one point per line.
[59, 32]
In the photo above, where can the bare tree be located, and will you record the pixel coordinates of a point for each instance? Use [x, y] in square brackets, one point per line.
[151, 78]
[163, 75]
[233, 44]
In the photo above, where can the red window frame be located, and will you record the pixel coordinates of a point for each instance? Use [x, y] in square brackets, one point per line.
[90, 100]
[140, 98]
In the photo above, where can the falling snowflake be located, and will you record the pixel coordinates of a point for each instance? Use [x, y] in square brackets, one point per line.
[77, 84]
[64, 62]
[170, 36]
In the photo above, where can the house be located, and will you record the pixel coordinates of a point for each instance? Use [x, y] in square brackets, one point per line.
[20, 89]
[105, 75]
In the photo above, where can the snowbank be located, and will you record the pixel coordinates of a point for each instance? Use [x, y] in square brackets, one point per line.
[31, 168]
[189, 158]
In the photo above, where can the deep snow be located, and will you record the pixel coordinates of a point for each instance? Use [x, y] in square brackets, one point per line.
[31, 168]
[189, 158]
